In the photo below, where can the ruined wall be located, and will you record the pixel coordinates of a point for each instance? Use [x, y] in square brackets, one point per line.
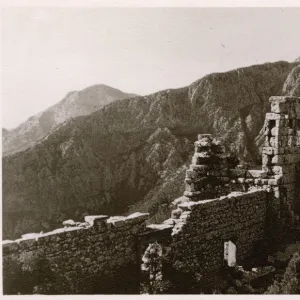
[104, 255]
[203, 226]
[281, 154]
[98, 256]
[212, 174]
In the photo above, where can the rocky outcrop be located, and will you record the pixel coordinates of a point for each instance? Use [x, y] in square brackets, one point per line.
[292, 84]
[76, 103]
[134, 152]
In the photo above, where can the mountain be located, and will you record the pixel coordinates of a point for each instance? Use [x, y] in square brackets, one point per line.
[132, 154]
[4, 132]
[76, 103]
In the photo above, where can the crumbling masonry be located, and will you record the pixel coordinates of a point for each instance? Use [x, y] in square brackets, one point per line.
[223, 205]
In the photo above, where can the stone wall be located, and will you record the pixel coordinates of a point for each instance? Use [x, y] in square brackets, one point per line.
[97, 256]
[281, 154]
[212, 173]
[203, 226]
[104, 255]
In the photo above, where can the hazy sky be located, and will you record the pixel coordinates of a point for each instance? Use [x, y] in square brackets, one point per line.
[48, 52]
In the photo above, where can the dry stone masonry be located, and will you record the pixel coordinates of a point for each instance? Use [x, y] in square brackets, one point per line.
[225, 214]
[244, 205]
[90, 254]
[204, 226]
[281, 154]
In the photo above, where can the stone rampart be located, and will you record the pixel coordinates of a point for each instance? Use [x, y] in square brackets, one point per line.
[281, 154]
[203, 227]
[103, 255]
[90, 255]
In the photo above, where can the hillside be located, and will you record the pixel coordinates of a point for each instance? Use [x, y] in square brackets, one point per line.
[74, 104]
[132, 153]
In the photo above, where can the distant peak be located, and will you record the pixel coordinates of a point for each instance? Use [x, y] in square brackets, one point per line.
[99, 86]
[297, 59]
[70, 93]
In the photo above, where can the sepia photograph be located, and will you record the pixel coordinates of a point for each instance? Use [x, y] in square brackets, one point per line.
[150, 148]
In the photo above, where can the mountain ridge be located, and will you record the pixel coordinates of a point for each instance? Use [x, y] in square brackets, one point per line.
[132, 153]
[74, 104]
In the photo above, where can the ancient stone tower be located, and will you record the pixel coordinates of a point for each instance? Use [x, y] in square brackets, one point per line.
[211, 174]
[281, 154]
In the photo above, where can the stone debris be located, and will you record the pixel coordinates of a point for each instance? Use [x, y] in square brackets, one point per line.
[69, 223]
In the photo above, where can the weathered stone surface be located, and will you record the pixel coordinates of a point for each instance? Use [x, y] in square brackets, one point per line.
[92, 219]
[159, 226]
[69, 223]
[83, 249]
[210, 221]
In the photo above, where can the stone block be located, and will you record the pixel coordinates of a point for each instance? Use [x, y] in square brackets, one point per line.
[199, 169]
[202, 144]
[279, 107]
[268, 150]
[189, 186]
[275, 116]
[136, 218]
[69, 223]
[159, 227]
[169, 221]
[257, 173]
[117, 221]
[186, 206]
[274, 181]
[179, 200]
[241, 180]
[278, 159]
[95, 219]
[205, 136]
[273, 142]
[175, 214]
[191, 173]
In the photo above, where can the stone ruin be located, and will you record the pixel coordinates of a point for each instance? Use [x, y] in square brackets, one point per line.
[210, 171]
[225, 213]
[281, 155]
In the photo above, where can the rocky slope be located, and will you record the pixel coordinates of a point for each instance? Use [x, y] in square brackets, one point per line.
[76, 103]
[132, 153]
[292, 84]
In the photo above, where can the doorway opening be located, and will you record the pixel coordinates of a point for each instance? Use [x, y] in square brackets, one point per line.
[230, 253]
